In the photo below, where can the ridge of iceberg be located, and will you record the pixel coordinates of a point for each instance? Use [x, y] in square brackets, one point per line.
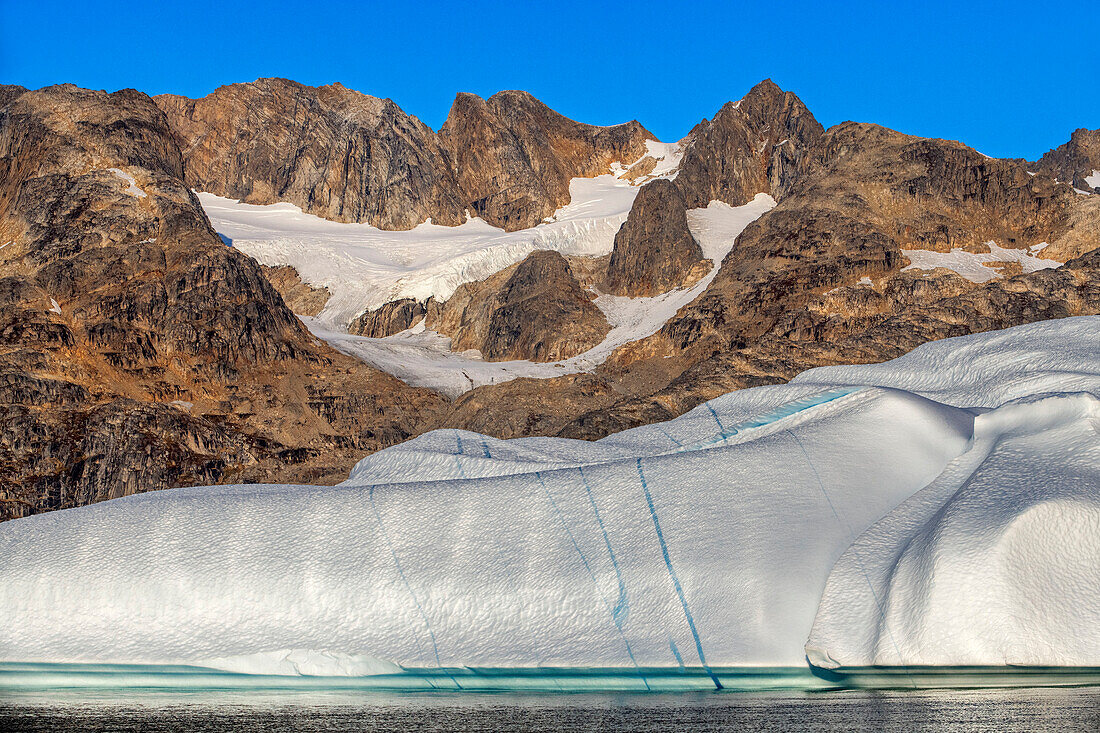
[829, 498]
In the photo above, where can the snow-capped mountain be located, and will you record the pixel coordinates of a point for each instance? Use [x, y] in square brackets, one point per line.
[147, 354]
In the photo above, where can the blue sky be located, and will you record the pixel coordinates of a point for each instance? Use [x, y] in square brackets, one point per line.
[1009, 78]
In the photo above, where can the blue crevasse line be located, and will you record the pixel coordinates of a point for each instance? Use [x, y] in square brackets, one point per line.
[408, 586]
[787, 410]
[675, 652]
[721, 427]
[485, 448]
[668, 435]
[588, 567]
[675, 580]
[622, 606]
[458, 461]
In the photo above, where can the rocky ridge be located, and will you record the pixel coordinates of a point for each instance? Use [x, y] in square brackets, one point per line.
[822, 279]
[1074, 161]
[654, 250]
[137, 351]
[534, 310]
[350, 157]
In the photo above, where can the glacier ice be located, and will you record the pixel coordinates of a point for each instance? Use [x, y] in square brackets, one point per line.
[892, 503]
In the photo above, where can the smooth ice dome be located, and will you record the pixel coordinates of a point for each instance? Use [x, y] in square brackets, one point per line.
[955, 490]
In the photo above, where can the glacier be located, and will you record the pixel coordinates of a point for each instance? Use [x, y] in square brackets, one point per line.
[939, 509]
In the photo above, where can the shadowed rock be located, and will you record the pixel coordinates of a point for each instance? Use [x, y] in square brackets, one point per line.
[386, 320]
[654, 250]
[534, 310]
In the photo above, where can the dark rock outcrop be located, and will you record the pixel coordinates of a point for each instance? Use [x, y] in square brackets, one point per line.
[303, 299]
[1073, 161]
[534, 310]
[386, 320]
[137, 351]
[514, 156]
[332, 151]
[764, 143]
[654, 251]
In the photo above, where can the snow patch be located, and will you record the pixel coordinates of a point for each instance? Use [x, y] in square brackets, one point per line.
[974, 266]
[365, 267]
[1094, 179]
[423, 358]
[54, 307]
[667, 155]
[132, 187]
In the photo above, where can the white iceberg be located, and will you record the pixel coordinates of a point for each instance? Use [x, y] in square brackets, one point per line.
[704, 542]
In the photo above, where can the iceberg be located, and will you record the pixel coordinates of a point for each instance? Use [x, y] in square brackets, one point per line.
[943, 508]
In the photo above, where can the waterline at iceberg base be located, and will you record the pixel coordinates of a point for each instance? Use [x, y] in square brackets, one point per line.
[931, 521]
[136, 678]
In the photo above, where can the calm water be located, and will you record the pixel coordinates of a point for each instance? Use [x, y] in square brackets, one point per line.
[989, 711]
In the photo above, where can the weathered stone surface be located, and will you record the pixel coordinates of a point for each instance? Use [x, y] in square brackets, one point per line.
[514, 156]
[332, 151]
[136, 350]
[654, 251]
[534, 310]
[348, 156]
[763, 143]
[303, 299]
[1073, 161]
[386, 320]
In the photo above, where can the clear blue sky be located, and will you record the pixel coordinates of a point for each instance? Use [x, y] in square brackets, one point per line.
[1011, 78]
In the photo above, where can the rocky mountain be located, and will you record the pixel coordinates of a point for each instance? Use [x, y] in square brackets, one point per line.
[388, 319]
[514, 156]
[535, 310]
[137, 351]
[350, 157]
[654, 250]
[1074, 161]
[332, 151]
[823, 279]
[763, 143]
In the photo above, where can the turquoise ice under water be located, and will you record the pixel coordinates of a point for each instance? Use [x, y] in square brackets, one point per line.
[135, 678]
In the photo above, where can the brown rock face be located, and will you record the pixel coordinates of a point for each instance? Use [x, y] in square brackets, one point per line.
[137, 351]
[654, 251]
[762, 144]
[393, 317]
[347, 156]
[303, 299]
[514, 156]
[332, 151]
[1073, 161]
[534, 310]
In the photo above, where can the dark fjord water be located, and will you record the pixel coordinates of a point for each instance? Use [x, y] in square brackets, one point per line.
[985, 711]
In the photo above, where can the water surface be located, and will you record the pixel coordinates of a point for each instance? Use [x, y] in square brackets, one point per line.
[981, 710]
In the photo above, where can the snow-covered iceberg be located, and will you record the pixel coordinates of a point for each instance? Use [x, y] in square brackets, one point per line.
[956, 490]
